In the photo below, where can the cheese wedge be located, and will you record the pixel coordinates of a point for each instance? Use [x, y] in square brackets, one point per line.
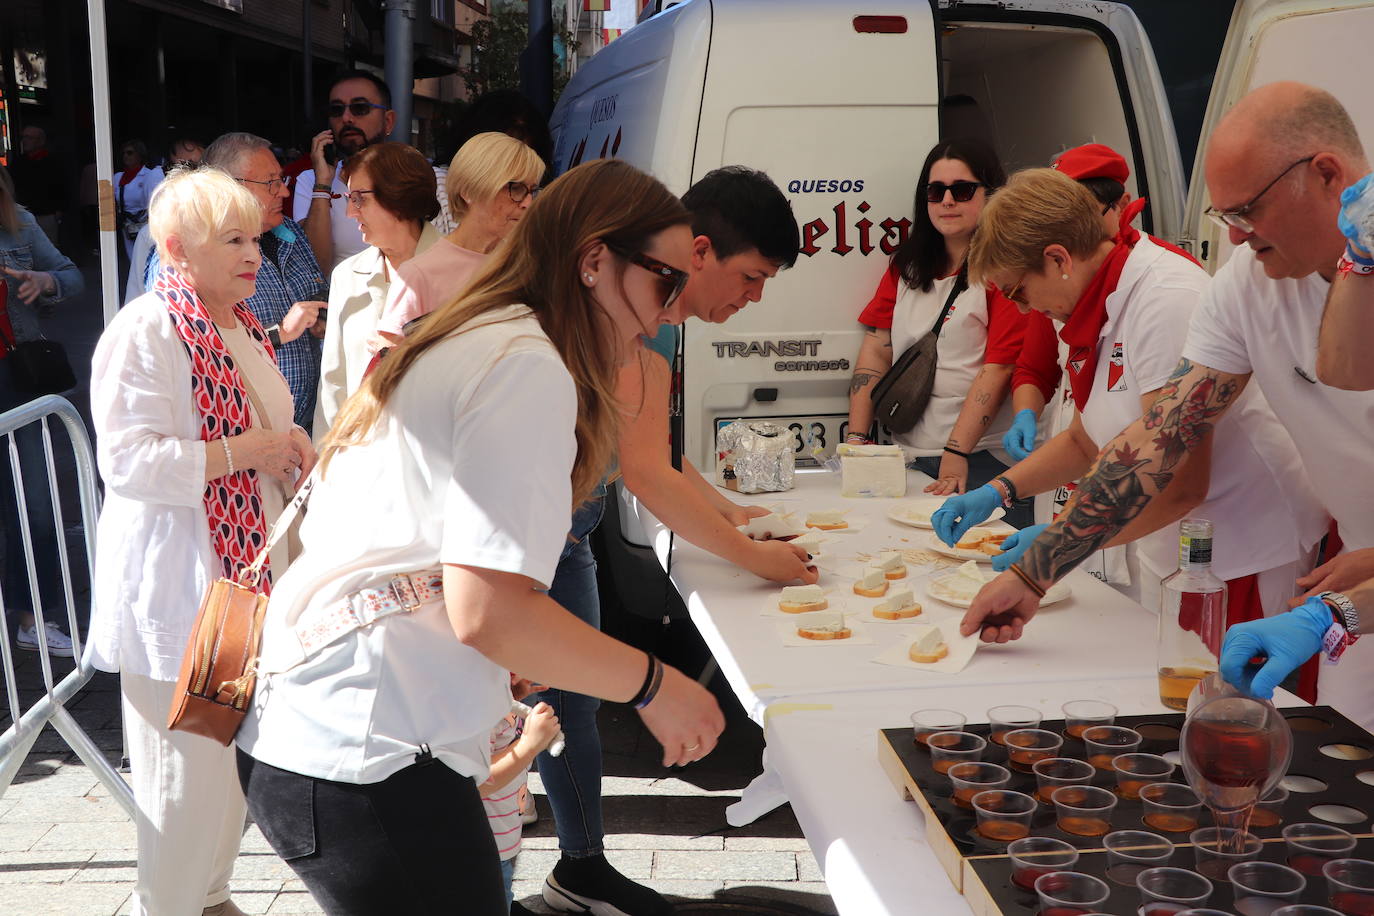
[828, 520]
[899, 605]
[928, 647]
[824, 626]
[892, 565]
[873, 584]
[802, 599]
[810, 542]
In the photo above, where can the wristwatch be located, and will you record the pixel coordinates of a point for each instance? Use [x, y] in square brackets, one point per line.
[274, 335]
[1343, 609]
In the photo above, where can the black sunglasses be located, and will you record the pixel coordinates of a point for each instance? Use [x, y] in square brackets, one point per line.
[671, 281]
[963, 191]
[359, 108]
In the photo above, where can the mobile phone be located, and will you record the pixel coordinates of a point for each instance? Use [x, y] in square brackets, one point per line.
[330, 155]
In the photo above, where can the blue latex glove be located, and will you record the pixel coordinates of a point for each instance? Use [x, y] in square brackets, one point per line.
[1015, 545]
[960, 513]
[1019, 441]
[1357, 214]
[1286, 640]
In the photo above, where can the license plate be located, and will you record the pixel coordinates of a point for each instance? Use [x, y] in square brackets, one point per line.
[825, 431]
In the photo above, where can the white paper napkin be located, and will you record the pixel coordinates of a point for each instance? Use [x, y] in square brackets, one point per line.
[961, 649]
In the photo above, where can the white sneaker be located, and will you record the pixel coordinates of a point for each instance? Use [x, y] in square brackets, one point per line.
[59, 643]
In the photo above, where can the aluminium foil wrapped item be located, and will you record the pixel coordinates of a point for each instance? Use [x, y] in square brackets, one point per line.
[754, 456]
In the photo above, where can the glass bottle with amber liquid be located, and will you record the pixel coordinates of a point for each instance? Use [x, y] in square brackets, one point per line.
[1192, 616]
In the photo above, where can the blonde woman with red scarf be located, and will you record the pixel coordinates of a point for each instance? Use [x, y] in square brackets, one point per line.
[1125, 304]
[198, 453]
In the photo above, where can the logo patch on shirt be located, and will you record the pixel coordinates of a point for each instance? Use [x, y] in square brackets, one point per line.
[1116, 370]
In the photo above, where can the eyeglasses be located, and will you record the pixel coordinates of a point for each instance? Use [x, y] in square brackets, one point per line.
[963, 191]
[356, 197]
[518, 190]
[273, 185]
[359, 108]
[671, 281]
[1014, 294]
[1236, 217]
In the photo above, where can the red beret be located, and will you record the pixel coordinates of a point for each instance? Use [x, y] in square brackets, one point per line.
[1093, 161]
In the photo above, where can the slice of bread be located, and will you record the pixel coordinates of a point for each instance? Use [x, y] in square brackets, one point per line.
[973, 537]
[927, 659]
[806, 608]
[894, 574]
[831, 526]
[901, 613]
[829, 626]
[990, 547]
[876, 591]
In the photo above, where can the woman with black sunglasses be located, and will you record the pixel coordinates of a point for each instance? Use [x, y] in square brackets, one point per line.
[957, 439]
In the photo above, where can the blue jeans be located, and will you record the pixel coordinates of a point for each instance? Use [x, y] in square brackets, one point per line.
[29, 441]
[508, 876]
[572, 780]
[982, 467]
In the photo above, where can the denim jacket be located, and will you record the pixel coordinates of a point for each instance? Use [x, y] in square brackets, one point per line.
[29, 249]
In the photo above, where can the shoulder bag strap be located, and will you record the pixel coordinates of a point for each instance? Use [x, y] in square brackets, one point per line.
[960, 284]
[251, 573]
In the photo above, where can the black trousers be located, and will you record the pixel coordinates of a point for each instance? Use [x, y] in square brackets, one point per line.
[416, 843]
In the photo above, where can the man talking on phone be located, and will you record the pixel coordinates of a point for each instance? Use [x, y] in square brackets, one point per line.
[359, 112]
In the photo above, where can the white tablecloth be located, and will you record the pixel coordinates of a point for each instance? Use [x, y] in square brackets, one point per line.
[823, 706]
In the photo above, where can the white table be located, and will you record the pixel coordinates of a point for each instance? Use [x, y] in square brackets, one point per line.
[821, 707]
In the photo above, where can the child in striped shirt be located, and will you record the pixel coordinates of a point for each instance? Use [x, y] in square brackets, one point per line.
[515, 741]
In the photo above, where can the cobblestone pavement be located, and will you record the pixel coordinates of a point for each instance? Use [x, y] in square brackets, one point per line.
[67, 848]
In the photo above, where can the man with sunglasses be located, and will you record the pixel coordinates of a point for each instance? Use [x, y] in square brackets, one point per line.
[1276, 167]
[360, 114]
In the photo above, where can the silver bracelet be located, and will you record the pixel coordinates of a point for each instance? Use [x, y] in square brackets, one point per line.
[228, 455]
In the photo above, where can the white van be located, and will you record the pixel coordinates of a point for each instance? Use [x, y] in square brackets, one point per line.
[840, 100]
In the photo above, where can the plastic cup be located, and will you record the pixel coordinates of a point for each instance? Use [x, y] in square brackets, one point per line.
[925, 721]
[1260, 888]
[1084, 810]
[1310, 846]
[1350, 886]
[1304, 909]
[1067, 893]
[1269, 810]
[970, 778]
[1170, 808]
[1004, 719]
[1003, 815]
[1216, 849]
[1084, 714]
[1202, 911]
[1028, 746]
[1056, 772]
[1034, 856]
[949, 748]
[1130, 852]
[1136, 771]
[1165, 891]
[1107, 742]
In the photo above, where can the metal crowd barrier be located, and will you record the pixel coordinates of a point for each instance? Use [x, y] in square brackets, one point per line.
[50, 708]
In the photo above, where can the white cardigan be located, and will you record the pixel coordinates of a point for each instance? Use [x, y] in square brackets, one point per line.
[153, 557]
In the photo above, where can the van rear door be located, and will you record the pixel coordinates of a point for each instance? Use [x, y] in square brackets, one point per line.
[1325, 44]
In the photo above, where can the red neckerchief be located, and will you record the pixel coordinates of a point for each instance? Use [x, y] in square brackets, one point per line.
[233, 502]
[1084, 326]
[129, 174]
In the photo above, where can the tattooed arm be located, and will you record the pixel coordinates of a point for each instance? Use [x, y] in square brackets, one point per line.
[981, 404]
[1134, 467]
[1347, 330]
[875, 358]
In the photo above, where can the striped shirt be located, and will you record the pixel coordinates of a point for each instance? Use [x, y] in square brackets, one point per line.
[504, 803]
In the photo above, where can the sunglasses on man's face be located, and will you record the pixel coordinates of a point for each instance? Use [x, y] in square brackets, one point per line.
[962, 191]
[359, 108]
[671, 281]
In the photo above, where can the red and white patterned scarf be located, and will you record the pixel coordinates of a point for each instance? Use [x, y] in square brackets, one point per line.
[233, 502]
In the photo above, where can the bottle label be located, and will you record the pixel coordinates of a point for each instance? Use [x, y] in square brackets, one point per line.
[1193, 551]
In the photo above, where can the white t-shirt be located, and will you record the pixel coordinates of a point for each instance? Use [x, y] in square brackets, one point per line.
[1264, 511]
[1250, 323]
[470, 464]
[348, 238]
[961, 349]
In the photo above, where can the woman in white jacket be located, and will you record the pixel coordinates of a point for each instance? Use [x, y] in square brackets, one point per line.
[198, 452]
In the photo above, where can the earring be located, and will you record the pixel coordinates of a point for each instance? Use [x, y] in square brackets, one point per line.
[588, 279]
[1063, 276]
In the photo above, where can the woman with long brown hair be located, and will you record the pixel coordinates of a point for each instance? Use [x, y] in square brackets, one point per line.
[436, 523]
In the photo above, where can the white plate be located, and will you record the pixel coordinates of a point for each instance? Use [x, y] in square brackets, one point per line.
[934, 543]
[936, 590]
[917, 512]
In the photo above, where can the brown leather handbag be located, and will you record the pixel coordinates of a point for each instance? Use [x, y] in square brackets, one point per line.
[219, 669]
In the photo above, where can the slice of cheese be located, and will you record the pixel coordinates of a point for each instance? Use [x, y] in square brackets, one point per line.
[897, 601]
[810, 542]
[973, 572]
[771, 525]
[872, 578]
[892, 560]
[965, 582]
[829, 517]
[928, 642]
[802, 594]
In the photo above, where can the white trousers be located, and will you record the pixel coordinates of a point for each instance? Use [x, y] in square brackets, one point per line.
[190, 807]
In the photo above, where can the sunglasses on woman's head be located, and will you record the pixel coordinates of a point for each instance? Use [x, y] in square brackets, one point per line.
[963, 191]
[671, 281]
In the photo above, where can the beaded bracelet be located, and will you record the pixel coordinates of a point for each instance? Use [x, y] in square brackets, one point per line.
[228, 455]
